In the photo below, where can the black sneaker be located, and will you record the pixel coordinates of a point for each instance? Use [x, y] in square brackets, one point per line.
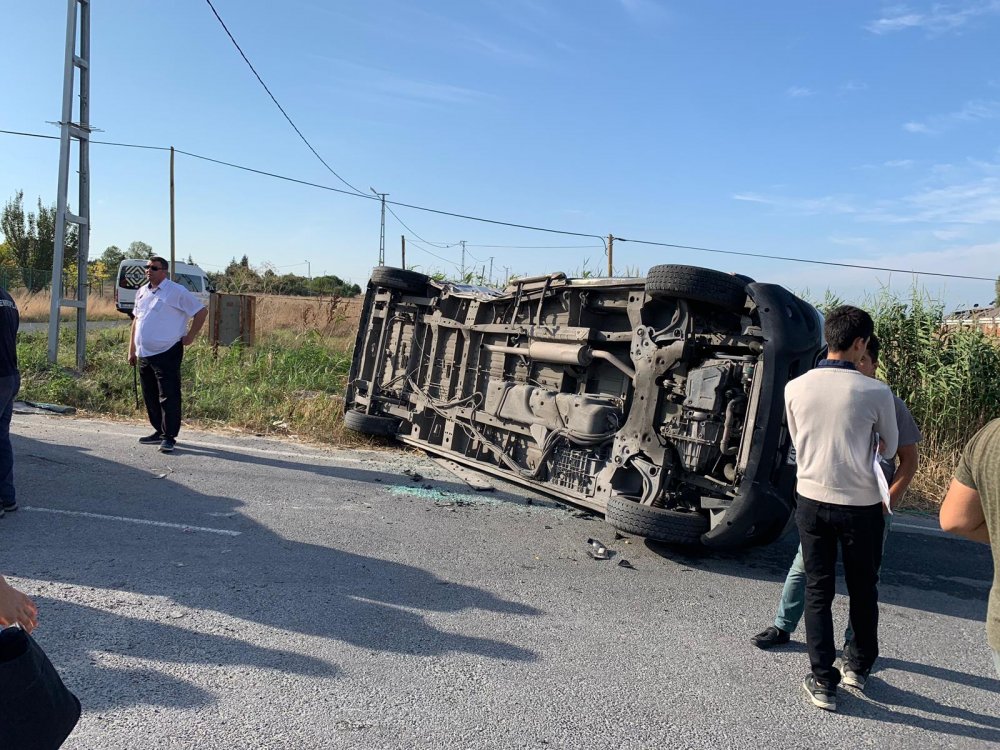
[151, 439]
[167, 446]
[853, 678]
[771, 637]
[9, 506]
[821, 694]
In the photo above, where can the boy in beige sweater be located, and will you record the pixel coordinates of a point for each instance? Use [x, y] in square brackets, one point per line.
[836, 416]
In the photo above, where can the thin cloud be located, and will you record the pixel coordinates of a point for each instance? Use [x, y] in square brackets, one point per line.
[645, 11]
[978, 110]
[973, 202]
[499, 51]
[797, 92]
[965, 194]
[369, 81]
[938, 19]
[898, 163]
[830, 204]
[852, 86]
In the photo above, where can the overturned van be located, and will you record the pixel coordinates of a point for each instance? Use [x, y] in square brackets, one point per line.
[656, 401]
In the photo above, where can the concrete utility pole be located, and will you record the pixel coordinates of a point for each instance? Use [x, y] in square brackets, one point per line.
[80, 131]
[611, 252]
[173, 248]
[381, 235]
[309, 270]
[462, 243]
[402, 239]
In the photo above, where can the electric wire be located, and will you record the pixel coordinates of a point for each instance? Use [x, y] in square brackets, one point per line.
[407, 228]
[422, 249]
[517, 225]
[805, 260]
[276, 102]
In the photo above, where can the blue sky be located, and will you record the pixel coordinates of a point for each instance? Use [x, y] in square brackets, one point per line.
[848, 132]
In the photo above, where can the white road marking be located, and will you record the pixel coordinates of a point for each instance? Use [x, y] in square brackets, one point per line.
[126, 519]
[919, 529]
[307, 455]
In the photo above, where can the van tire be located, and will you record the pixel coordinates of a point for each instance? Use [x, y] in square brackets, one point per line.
[659, 524]
[370, 424]
[696, 284]
[399, 279]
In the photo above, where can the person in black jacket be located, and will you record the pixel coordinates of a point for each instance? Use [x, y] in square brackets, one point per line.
[10, 384]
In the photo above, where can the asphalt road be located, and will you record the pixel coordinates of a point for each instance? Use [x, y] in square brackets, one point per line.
[247, 593]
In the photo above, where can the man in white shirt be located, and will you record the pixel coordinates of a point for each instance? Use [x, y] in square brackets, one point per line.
[159, 334]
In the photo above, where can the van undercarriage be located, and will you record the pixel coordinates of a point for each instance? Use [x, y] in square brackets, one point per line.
[657, 401]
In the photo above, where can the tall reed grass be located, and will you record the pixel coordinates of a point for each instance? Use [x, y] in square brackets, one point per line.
[948, 377]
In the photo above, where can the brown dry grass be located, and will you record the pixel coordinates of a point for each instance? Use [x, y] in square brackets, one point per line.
[927, 490]
[335, 317]
[34, 308]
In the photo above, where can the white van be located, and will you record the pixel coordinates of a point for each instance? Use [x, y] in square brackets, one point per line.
[132, 275]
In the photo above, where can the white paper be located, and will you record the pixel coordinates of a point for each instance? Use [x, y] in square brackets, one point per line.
[883, 486]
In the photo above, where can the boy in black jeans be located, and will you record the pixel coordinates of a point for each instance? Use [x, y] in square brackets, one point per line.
[835, 415]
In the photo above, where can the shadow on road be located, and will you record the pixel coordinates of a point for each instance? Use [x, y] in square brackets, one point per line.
[939, 574]
[892, 704]
[258, 577]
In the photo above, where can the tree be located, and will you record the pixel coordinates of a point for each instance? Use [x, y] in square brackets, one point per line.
[139, 249]
[13, 227]
[31, 239]
[112, 256]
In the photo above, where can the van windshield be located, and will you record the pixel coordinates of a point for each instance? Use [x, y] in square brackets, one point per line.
[189, 282]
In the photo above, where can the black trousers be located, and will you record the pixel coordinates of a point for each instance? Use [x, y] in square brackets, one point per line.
[858, 532]
[160, 376]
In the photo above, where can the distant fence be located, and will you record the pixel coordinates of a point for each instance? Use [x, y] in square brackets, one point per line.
[40, 279]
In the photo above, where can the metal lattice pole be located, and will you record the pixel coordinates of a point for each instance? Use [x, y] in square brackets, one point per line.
[78, 12]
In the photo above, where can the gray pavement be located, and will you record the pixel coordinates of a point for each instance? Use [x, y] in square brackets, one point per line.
[251, 593]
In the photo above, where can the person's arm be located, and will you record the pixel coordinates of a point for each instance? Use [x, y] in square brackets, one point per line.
[196, 323]
[962, 513]
[909, 460]
[131, 344]
[885, 424]
[16, 608]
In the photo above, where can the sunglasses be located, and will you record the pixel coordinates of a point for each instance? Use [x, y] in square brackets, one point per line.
[154, 268]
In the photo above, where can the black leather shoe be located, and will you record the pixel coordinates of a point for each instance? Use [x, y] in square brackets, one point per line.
[153, 439]
[770, 638]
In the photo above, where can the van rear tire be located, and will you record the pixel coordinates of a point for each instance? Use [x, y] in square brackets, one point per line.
[370, 424]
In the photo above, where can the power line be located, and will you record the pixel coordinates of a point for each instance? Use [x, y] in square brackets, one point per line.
[439, 257]
[273, 99]
[541, 247]
[515, 225]
[806, 260]
[441, 245]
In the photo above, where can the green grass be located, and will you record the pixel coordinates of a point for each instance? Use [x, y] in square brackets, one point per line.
[288, 384]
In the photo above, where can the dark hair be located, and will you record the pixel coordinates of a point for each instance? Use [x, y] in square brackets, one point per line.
[845, 324]
[162, 262]
[874, 347]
